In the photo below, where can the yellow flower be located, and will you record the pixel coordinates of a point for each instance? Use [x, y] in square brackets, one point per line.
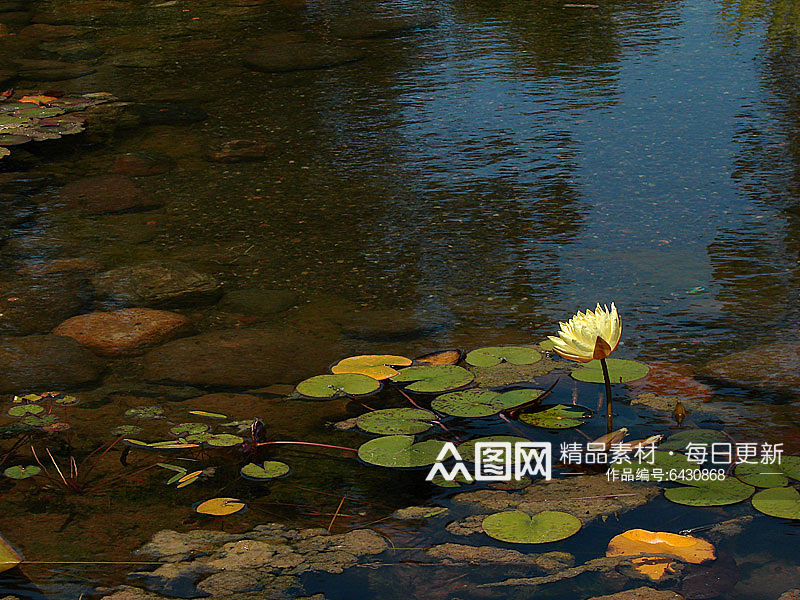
[590, 335]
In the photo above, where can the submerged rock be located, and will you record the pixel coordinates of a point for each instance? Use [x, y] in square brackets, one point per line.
[586, 497]
[236, 151]
[236, 358]
[548, 562]
[771, 366]
[142, 164]
[258, 302]
[124, 332]
[45, 362]
[301, 56]
[37, 304]
[105, 194]
[51, 70]
[157, 284]
[641, 593]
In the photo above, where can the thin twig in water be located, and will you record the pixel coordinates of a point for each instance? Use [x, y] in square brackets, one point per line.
[338, 508]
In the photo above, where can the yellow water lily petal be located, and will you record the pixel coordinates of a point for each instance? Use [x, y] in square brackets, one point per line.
[589, 335]
[220, 507]
[9, 558]
[377, 366]
[640, 541]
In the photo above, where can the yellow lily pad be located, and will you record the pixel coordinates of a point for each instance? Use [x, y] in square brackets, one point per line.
[220, 507]
[9, 558]
[377, 366]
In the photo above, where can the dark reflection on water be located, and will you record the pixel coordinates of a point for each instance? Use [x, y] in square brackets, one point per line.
[483, 176]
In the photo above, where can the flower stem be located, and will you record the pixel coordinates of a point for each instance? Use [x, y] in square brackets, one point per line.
[609, 413]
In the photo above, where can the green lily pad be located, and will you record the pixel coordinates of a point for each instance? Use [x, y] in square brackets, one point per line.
[434, 379]
[494, 355]
[65, 400]
[199, 438]
[38, 112]
[269, 469]
[22, 471]
[145, 412]
[400, 451]
[188, 429]
[37, 421]
[547, 345]
[126, 430]
[482, 403]
[518, 527]
[22, 410]
[457, 481]
[559, 416]
[682, 439]
[224, 440]
[335, 386]
[395, 421]
[619, 371]
[467, 449]
[710, 493]
[782, 502]
[10, 139]
[135, 443]
[769, 475]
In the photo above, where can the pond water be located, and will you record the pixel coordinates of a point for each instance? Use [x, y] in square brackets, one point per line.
[470, 174]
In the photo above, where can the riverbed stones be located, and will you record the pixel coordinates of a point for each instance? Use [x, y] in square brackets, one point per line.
[52, 70]
[37, 304]
[236, 358]
[452, 554]
[43, 362]
[157, 284]
[124, 332]
[258, 302]
[641, 593]
[142, 164]
[105, 194]
[586, 497]
[773, 366]
[237, 151]
[301, 56]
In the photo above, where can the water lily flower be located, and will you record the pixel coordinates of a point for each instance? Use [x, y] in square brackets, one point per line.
[589, 335]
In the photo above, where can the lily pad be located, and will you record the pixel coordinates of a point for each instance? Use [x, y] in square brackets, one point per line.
[782, 502]
[199, 438]
[377, 366]
[56, 427]
[457, 481]
[518, 527]
[62, 400]
[619, 371]
[682, 439]
[39, 421]
[710, 493]
[188, 429]
[482, 403]
[209, 415]
[22, 410]
[494, 355]
[126, 430]
[434, 379]
[224, 440]
[269, 469]
[187, 479]
[335, 386]
[769, 475]
[559, 416]
[451, 356]
[220, 507]
[400, 451]
[395, 421]
[173, 445]
[467, 449]
[10, 139]
[22, 471]
[145, 412]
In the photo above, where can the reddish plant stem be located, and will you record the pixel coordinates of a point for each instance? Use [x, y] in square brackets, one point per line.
[308, 444]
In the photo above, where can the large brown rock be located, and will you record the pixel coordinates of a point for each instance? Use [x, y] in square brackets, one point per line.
[238, 358]
[124, 332]
[45, 362]
[301, 56]
[37, 304]
[105, 194]
[771, 366]
[157, 284]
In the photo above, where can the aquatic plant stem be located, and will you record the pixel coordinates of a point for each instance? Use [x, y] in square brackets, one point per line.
[308, 444]
[609, 413]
